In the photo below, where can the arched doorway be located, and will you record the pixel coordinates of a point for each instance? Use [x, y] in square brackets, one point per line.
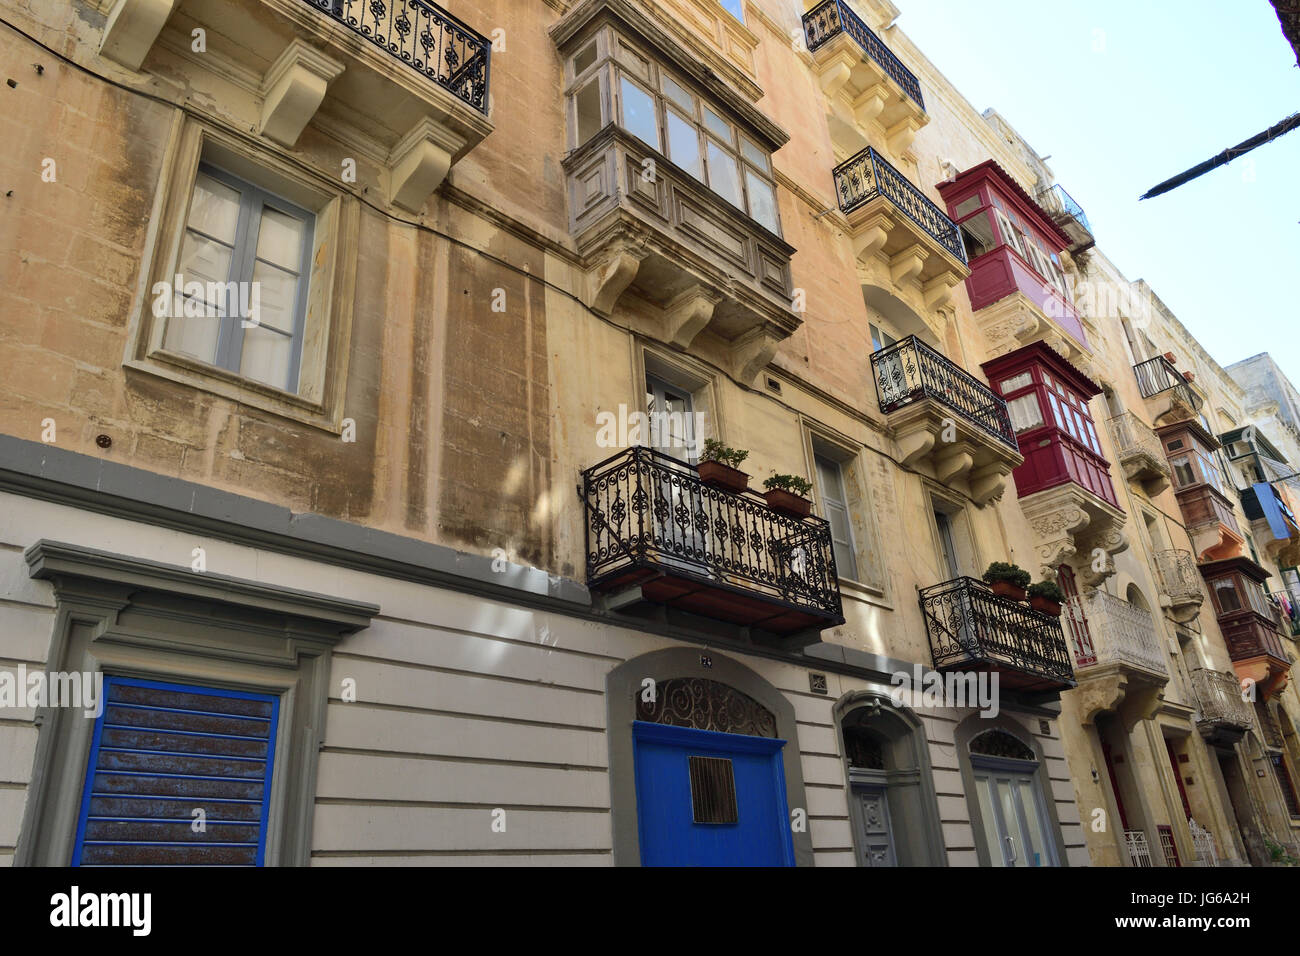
[1010, 802]
[698, 770]
[892, 804]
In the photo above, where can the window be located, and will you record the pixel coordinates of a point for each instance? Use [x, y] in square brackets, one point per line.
[1225, 595]
[713, 790]
[831, 479]
[245, 257]
[1025, 412]
[880, 339]
[664, 113]
[159, 752]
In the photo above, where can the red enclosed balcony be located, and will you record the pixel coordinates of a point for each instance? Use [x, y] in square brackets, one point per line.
[1047, 400]
[1013, 246]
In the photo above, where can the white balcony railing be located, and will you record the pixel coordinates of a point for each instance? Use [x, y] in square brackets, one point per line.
[1135, 842]
[1122, 633]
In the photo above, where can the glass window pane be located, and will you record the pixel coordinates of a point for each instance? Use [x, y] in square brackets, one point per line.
[584, 58]
[1225, 592]
[265, 356]
[678, 94]
[639, 113]
[588, 107]
[206, 262]
[762, 201]
[717, 125]
[195, 336]
[755, 155]
[966, 207]
[1023, 380]
[1025, 412]
[992, 838]
[214, 209]
[1036, 839]
[275, 291]
[684, 145]
[723, 175]
[1056, 411]
[280, 238]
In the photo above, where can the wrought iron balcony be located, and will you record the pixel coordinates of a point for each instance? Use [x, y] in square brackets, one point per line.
[911, 371]
[972, 629]
[1158, 375]
[658, 533]
[1140, 452]
[1121, 633]
[425, 37]
[1222, 714]
[1069, 215]
[868, 175]
[833, 17]
[1180, 583]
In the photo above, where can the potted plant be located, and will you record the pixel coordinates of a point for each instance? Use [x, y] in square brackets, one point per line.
[1190, 376]
[1007, 580]
[718, 466]
[1047, 597]
[1169, 357]
[787, 494]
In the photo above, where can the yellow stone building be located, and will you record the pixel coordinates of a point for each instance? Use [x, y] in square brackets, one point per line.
[362, 365]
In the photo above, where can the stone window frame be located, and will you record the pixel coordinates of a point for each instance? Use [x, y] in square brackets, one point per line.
[873, 581]
[618, 58]
[624, 682]
[331, 284]
[138, 618]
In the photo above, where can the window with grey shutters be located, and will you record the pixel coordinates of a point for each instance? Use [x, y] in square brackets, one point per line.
[835, 502]
[241, 300]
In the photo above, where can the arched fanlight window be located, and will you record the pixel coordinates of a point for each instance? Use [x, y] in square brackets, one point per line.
[864, 749]
[999, 743]
[704, 705]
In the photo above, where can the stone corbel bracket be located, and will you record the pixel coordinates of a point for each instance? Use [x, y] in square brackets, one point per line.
[293, 90]
[132, 28]
[419, 162]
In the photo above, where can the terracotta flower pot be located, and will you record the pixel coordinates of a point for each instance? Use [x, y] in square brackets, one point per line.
[1189, 376]
[1045, 605]
[1008, 590]
[718, 475]
[1169, 357]
[787, 503]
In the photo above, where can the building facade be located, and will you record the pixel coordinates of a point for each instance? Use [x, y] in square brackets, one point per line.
[363, 360]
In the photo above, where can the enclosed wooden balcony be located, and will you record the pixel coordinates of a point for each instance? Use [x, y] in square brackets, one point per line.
[971, 629]
[1251, 625]
[1198, 485]
[1139, 453]
[894, 224]
[1222, 714]
[1181, 591]
[656, 534]
[405, 79]
[946, 422]
[866, 85]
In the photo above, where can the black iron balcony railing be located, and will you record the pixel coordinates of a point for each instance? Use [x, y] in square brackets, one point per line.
[867, 175]
[832, 17]
[426, 38]
[1159, 375]
[1056, 199]
[910, 371]
[647, 510]
[970, 626]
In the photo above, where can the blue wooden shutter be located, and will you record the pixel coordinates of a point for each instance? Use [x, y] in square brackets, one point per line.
[161, 751]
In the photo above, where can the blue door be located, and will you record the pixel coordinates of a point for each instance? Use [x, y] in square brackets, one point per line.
[710, 799]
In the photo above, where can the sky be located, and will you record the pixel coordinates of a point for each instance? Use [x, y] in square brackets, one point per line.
[1122, 95]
